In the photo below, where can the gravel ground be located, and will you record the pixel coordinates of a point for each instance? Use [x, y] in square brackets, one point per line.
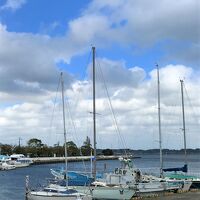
[195, 195]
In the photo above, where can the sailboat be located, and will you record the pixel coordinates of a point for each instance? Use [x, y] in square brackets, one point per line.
[55, 191]
[125, 178]
[100, 189]
[181, 184]
[97, 189]
[128, 175]
[195, 181]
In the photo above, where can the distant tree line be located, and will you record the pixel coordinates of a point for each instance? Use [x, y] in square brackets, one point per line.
[154, 151]
[35, 148]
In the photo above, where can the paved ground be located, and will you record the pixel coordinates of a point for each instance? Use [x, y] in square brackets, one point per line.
[195, 195]
[183, 196]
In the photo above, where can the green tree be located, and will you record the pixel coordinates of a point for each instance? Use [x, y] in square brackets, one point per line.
[44, 151]
[34, 142]
[35, 148]
[58, 151]
[87, 147]
[72, 149]
[19, 150]
[107, 152]
[6, 149]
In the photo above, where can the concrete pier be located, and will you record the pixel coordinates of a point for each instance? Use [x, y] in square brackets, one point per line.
[45, 160]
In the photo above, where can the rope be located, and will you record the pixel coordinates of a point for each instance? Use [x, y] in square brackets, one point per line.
[54, 105]
[112, 110]
[190, 103]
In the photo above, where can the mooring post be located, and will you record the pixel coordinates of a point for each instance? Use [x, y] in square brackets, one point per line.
[27, 188]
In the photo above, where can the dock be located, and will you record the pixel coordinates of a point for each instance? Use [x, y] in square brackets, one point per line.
[47, 160]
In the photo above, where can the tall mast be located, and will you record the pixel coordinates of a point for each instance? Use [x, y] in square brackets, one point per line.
[183, 113]
[159, 123]
[94, 114]
[64, 128]
[20, 141]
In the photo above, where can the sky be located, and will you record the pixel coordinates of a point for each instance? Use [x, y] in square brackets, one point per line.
[41, 38]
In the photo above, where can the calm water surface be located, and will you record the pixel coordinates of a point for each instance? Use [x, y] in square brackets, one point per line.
[12, 183]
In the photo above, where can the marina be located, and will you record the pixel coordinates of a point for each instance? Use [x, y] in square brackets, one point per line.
[122, 182]
[39, 174]
[99, 100]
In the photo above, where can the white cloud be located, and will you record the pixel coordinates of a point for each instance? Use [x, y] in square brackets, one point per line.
[135, 107]
[28, 75]
[93, 28]
[30, 60]
[115, 73]
[173, 25]
[151, 21]
[13, 5]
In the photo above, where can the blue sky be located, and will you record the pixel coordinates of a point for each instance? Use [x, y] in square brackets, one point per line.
[52, 18]
[36, 15]
[38, 38]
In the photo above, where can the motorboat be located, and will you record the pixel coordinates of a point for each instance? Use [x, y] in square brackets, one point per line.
[5, 165]
[19, 160]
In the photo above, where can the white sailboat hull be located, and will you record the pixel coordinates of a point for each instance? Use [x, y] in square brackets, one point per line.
[55, 196]
[151, 187]
[114, 193]
[183, 185]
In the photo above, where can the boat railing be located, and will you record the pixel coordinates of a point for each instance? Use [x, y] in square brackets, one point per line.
[155, 171]
[194, 173]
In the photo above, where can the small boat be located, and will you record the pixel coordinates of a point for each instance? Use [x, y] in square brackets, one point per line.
[97, 190]
[5, 165]
[143, 184]
[101, 190]
[57, 193]
[19, 160]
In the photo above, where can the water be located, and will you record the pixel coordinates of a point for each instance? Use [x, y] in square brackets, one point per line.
[12, 183]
